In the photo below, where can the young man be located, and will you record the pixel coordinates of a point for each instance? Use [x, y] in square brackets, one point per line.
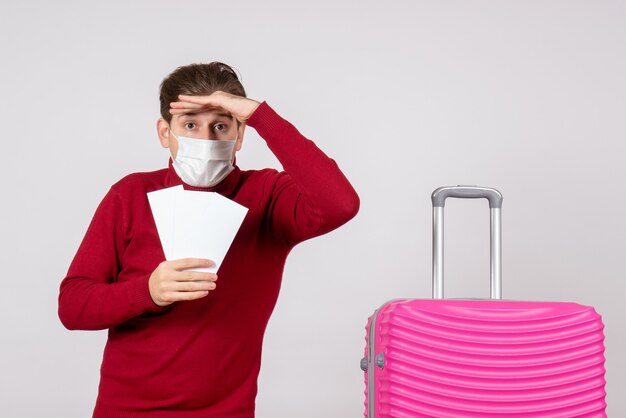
[183, 343]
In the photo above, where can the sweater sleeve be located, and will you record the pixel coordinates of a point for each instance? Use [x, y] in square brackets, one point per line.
[90, 296]
[312, 196]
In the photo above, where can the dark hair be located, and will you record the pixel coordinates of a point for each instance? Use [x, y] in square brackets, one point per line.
[195, 80]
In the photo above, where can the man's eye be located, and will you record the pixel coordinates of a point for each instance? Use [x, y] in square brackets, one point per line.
[190, 125]
[220, 127]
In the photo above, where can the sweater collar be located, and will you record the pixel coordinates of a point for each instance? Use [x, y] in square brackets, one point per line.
[225, 187]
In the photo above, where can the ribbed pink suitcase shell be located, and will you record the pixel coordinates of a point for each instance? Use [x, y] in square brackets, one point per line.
[486, 358]
[446, 358]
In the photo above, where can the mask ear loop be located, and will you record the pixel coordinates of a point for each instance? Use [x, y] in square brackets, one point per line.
[232, 158]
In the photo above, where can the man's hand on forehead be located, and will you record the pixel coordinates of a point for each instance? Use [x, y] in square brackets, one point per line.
[239, 107]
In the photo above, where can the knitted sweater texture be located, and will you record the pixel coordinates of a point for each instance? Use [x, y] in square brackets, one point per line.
[198, 358]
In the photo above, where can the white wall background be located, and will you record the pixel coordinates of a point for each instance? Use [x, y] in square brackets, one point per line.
[525, 96]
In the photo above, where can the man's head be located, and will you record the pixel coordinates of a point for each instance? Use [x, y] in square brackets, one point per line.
[198, 80]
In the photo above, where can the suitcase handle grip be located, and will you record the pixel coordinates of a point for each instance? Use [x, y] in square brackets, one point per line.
[439, 197]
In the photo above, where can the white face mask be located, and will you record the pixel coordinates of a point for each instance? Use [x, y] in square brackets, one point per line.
[203, 162]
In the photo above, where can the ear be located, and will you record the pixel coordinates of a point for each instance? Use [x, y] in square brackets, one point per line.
[240, 131]
[163, 130]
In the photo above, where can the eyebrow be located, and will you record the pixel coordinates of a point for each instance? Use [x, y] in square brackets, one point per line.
[220, 114]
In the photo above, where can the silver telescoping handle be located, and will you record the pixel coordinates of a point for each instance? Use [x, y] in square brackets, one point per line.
[439, 197]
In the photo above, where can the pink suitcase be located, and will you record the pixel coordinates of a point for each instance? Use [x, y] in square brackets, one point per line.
[448, 358]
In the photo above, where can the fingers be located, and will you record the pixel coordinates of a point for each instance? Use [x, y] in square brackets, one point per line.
[214, 100]
[188, 263]
[190, 296]
[187, 103]
[168, 298]
[186, 287]
[171, 281]
[240, 107]
[181, 107]
[193, 276]
[169, 291]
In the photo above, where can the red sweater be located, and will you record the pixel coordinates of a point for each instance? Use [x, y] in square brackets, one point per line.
[198, 358]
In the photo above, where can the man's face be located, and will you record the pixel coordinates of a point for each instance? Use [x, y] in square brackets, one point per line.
[210, 125]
